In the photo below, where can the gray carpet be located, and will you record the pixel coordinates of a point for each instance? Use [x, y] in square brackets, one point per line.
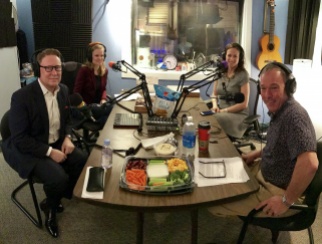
[85, 223]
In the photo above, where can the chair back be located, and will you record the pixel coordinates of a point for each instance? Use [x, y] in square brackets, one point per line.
[252, 119]
[253, 96]
[4, 126]
[70, 70]
[315, 188]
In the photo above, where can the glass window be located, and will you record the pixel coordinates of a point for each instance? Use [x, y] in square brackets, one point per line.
[192, 30]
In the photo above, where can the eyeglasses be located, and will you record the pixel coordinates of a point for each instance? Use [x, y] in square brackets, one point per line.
[50, 68]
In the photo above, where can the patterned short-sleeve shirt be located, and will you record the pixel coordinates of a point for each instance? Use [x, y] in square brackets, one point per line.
[290, 133]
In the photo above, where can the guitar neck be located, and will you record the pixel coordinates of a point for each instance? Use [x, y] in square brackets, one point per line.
[271, 22]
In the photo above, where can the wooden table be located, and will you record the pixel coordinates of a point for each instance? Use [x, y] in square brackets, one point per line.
[115, 197]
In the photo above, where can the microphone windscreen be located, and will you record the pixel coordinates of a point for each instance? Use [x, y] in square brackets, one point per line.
[75, 99]
[239, 97]
[112, 64]
[223, 64]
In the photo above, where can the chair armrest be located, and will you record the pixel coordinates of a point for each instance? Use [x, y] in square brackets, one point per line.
[253, 212]
[302, 207]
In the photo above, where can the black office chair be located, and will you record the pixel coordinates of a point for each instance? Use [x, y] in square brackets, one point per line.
[69, 73]
[252, 119]
[89, 128]
[300, 221]
[5, 133]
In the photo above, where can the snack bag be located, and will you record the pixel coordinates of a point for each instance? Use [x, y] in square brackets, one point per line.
[165, 101]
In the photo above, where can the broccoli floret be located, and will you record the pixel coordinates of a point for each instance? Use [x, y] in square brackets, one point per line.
[180, 177]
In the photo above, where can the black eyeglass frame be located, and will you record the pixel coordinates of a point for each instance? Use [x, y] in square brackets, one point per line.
[50, 68]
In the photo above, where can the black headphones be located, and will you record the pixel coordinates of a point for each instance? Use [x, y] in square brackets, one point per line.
[35, 64]
[234, 45]
[90, 50]
[290, 83]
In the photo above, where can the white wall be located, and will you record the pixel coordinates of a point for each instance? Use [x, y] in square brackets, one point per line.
[9, 73]
[309, 83]
[10, 79]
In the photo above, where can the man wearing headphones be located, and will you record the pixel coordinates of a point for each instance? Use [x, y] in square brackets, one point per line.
[40, 142]
[91, 81]
[288, 161]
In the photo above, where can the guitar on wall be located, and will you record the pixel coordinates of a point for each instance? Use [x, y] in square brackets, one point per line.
[269, 43]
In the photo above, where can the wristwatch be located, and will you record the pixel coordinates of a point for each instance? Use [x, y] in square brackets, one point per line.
[69, 136]
[284, 201]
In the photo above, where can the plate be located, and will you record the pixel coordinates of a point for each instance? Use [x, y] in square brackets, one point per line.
[157, 175]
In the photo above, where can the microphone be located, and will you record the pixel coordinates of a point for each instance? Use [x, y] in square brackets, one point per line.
[237, 97]
[221, 64]
[115, 66]
[77, 102]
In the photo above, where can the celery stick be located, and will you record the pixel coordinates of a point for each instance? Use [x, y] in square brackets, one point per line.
[156, 161]
[154, 180]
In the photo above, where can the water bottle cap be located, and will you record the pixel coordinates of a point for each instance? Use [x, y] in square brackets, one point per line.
[189, 118]
[107, 142]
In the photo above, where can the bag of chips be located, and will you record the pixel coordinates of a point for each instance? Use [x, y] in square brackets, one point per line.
[165, 101]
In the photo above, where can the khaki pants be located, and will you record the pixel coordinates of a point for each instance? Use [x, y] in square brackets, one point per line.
[244, 206]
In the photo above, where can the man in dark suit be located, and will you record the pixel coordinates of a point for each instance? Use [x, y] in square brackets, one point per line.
[40, 141]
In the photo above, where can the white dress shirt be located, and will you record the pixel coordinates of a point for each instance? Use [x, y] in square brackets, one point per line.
[53, 114]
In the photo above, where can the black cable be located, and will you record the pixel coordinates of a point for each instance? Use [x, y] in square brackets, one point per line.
[261, 126]
[128, 152]
[207, 94]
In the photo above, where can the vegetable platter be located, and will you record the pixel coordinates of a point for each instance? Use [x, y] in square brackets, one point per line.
[157, 176]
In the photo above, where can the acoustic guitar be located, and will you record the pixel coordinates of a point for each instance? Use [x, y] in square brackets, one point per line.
[269, 43]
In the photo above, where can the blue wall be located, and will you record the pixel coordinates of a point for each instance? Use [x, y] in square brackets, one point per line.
[102, 29]
[107, 19]
[281, 9]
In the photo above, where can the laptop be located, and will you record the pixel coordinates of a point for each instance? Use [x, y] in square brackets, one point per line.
[126, 120]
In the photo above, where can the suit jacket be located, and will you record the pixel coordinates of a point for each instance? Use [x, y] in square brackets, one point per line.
[85, 84]
[29, 126]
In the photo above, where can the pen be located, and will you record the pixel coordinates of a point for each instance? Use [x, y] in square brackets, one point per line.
[212, 162]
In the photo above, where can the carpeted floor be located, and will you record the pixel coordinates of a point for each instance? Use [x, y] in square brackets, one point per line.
[85, 223]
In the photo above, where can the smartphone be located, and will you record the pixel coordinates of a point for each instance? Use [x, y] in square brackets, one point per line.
[207, 112]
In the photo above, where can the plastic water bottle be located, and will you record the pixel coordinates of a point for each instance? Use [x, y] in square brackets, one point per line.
[107, 155]
[189, 137]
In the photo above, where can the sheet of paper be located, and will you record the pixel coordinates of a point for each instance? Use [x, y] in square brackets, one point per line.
[134, 96]
[93, 195]
[150, 142]
[131, 97]
[235, 172]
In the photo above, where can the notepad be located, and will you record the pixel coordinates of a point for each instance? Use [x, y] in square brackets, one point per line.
[212, 169]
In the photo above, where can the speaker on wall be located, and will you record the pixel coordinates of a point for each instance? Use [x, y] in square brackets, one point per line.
[7, 25]
[63, 24]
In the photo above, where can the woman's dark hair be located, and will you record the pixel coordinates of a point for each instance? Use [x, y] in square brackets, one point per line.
[241, 61]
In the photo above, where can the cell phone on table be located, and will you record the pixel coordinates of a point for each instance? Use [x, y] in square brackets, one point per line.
[207, 112]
